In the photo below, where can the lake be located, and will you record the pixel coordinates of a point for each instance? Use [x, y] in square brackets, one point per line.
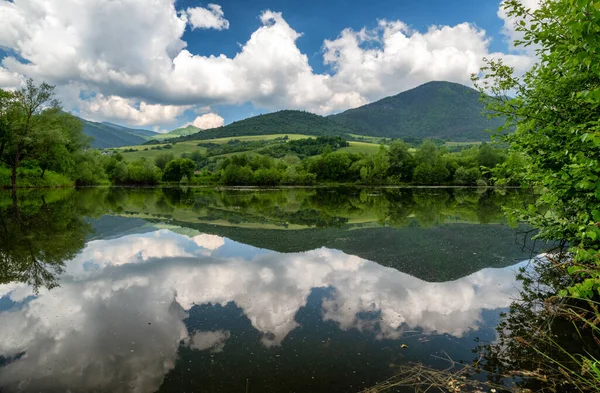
[297, 290]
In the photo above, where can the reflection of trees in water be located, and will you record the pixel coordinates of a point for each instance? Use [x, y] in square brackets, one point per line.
[37, 238]
[320, 207]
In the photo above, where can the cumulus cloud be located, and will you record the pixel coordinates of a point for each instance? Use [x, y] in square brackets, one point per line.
[208, 120]
[115, 108]
[9, 80]
[130, 54]
[212, 17]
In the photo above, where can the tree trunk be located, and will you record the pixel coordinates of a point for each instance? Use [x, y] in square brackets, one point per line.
[43, 171]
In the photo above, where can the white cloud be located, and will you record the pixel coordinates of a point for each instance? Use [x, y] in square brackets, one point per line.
[9, 80]
[133, 58]
[115, 108]
[212, 17]
[208, 120]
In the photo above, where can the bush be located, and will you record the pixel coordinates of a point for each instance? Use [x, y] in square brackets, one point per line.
[464, 176]
[267, 177]
[32, 178]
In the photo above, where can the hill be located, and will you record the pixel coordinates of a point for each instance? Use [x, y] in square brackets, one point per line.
[183, 131]
[441, 110]
[282, 122]
[112, 135]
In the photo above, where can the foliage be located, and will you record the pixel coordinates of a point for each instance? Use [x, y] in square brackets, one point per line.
[555, 109]
[177, 169]
[31, 178]
[162, 159]
[89, 169]
[34, 130]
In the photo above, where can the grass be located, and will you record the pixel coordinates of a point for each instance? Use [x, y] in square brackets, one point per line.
[361, 147]
[31, 178]
[461, 144]
[176, 150]
[369, 139]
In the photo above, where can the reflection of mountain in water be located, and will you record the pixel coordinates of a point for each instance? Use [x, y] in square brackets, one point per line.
[128, 305]
[440, 253]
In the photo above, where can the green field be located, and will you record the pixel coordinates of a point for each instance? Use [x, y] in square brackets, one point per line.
[189, 146]
[369, 139]
[176, 150]
[361, 147]
[461, 144]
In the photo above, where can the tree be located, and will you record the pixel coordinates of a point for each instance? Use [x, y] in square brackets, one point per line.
[163, 159]
[6, 99]
[23, 117]
[177, 169]
[402, 163]
[32, 126]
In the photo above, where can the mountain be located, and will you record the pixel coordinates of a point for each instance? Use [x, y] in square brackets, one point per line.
[282, 122]
[112, 135]
[442, 110]
[183, 131]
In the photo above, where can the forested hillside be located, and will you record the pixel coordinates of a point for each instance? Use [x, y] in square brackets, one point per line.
[440, 110]
[282, 122]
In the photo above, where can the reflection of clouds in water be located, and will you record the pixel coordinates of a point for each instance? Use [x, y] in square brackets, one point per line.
[125, 316]
[210, 242]
[141, 248]
[215, 341]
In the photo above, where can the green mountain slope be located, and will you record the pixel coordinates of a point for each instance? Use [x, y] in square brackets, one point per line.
[441, 110]
[183, 131]
[282, 122]
[112, 135]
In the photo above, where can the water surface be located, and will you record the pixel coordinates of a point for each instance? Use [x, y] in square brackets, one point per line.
[328, 290]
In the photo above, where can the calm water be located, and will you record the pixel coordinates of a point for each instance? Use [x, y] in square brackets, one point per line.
[247, 291]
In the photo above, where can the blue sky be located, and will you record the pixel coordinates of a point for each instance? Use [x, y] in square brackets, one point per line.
[160, 64]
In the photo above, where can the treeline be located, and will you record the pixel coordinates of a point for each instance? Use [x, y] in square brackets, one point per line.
[318, 160]
[397, 164]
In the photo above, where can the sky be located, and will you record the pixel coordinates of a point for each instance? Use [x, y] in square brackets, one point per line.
[162, 64]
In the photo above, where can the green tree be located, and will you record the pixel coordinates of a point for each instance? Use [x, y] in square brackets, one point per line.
[88, 169]
[23, 114]
[34, 128]
[555, 111]
[177, 169]
[402, 163]
[163, 159]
